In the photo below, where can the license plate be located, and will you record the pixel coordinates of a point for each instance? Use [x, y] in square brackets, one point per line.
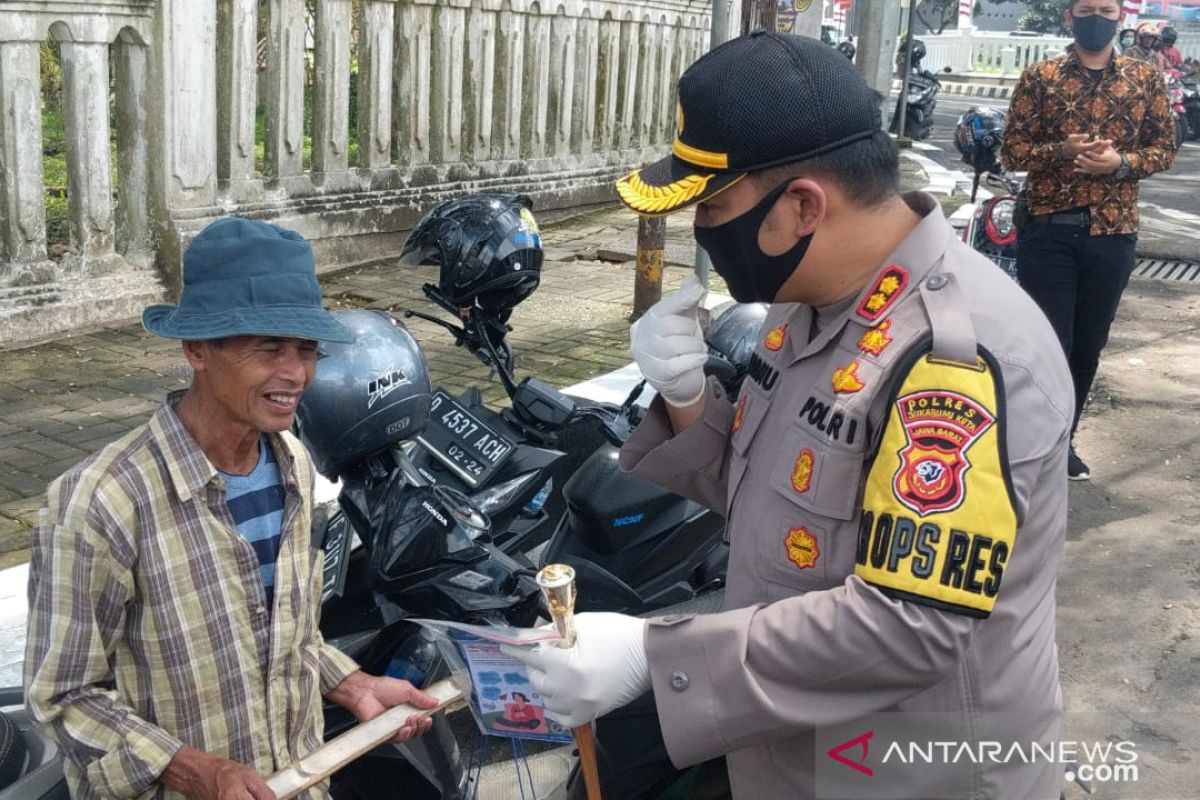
[462, 442]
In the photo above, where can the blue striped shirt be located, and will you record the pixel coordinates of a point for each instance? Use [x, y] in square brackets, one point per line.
[256, 503]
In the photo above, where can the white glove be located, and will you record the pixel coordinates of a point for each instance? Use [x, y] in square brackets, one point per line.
[669, 348]
[606, 668]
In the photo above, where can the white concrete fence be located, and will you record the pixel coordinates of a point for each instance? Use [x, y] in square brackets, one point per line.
[554, 98]
[1006, 55]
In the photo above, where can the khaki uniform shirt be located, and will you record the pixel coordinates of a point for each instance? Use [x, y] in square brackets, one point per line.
[896, 498]
[148, 626]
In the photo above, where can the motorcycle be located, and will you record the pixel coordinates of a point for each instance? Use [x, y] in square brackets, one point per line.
[1179, 110]
[921, 101]
[991, 225]
[1190, 86]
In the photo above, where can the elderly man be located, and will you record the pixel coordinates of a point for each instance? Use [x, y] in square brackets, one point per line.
[174, 587]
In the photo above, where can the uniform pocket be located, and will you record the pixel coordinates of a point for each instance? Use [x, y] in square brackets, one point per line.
[815, 492]
[818, 476]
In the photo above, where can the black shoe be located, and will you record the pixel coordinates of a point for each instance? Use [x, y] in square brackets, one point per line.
[1076, 469]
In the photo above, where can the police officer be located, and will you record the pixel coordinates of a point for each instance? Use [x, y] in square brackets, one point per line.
[893, 471]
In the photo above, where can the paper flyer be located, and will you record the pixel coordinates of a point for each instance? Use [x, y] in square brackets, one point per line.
[502, 698]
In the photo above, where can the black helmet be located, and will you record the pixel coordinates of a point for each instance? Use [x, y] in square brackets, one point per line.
[918, 51]
[846, 48]
[734, 331]
[978, 136]
[1169, 36]
[488, 247]
[367, 394]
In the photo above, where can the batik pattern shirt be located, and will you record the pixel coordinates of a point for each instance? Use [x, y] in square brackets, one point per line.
[148, 625]
[1127, 103]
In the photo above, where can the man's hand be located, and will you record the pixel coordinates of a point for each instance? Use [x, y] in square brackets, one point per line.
[606, 668]
[1079, 143]
[207, 777]
[669, 348]
[1098, 162]
[367, 696]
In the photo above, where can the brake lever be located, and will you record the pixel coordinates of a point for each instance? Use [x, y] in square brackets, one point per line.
[458, 333]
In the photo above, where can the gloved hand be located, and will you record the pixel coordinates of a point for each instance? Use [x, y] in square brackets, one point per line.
[669, 348]
[604, 670]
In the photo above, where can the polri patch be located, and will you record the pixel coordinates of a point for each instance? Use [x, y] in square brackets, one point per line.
[887, 288]
[775, 337]
[845, 381]
[940, 426]
[802, 548]
[877, 339]
[802, 471]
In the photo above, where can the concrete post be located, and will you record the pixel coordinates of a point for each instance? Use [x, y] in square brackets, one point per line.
[664, 110]
[535, 100]
[375, 58]
[89, 164]
[132, 72]
[1008, 58]
[630, 57]
[583, 113]
[446, 106]
[411, 83]
[510, 74]
[480, 87]
[562, 83]
[237, 90]
[22, 206]
[285, 92]
[331, 96]
[878, 22]
[608, 74]
[647, 92]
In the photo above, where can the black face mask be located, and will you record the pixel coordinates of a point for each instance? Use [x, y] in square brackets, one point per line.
[1093, 33]
[751, 275]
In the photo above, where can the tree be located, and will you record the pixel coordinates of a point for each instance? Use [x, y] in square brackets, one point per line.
[1045, 16]
[940, 12]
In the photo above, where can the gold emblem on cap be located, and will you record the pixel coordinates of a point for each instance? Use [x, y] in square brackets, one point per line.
[641, 196]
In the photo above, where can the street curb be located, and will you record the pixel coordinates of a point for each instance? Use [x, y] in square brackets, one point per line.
[985, 90]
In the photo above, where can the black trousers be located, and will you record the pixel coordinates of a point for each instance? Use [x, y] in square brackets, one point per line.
[1077, 280]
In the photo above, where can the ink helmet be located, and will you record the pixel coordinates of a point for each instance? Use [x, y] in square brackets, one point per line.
[367, 394]
[488, 249]
[978, 136]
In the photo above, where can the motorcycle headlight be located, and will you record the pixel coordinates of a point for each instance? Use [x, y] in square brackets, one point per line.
[1000, 228]
[497, 497]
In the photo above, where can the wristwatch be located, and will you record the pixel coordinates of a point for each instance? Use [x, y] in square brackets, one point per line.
[1123, 170]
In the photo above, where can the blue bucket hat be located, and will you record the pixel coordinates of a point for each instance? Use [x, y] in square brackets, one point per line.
[242, 277]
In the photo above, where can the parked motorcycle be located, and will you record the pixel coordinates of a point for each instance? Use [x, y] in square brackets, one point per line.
[923, 89]
[991, 228]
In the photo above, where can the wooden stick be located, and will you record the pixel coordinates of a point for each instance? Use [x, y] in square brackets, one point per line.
[557, 582]
[587, 761]
[362, 738]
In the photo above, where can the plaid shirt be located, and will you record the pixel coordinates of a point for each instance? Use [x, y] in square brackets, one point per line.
[147, 625]
[1054, 98]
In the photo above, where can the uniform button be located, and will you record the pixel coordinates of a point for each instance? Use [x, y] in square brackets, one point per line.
[680, 680]
[937, 282]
